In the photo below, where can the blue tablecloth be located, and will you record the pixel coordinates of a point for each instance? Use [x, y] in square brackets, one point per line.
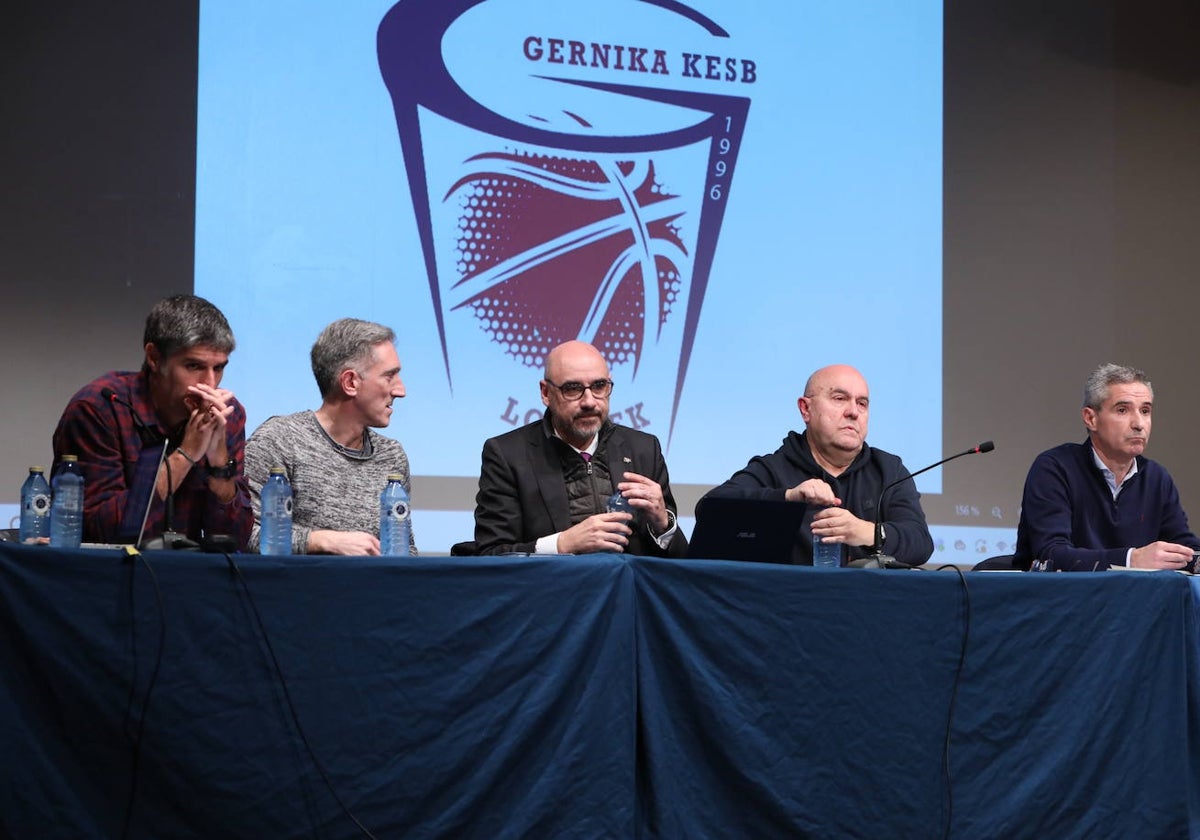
[597, 696]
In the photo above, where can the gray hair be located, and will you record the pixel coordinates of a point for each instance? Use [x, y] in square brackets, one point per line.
[1095, 392]
[182, 322]
[347, 343]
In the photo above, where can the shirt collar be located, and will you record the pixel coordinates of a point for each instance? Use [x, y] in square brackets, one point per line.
[590, 449]
[1110, 477]
[363, 454]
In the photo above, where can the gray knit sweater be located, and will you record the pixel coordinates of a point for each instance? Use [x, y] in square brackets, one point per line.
[333, 488]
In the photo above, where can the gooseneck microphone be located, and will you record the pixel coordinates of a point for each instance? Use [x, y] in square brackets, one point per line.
[148, 435]
[162, 459]
[169, 538]
[877, 559]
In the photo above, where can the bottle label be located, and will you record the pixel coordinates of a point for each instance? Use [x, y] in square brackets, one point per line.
[398, 511]
[39, 504]
[69, 501]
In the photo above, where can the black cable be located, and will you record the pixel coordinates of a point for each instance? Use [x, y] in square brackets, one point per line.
[962, 658]
[288, 698]
[141, 727]
[169, 499]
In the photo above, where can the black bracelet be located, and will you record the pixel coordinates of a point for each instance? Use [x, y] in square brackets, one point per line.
[186, 456]
[227, 471]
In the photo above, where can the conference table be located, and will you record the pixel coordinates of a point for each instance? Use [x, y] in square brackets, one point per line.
[185, 695]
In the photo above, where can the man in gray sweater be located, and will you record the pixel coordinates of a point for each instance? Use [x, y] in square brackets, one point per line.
[336, 463]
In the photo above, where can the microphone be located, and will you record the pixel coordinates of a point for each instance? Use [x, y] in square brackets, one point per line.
[148, 435]
[877, 559]
[169, 538]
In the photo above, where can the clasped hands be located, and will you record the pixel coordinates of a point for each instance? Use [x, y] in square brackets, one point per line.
[204, 434]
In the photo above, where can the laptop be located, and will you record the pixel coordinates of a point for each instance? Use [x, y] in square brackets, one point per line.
[758, 530]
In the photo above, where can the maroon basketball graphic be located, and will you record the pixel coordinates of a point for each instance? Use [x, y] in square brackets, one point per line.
[574, 191]
[556, 248]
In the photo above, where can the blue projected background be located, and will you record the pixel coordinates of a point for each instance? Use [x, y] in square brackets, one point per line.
[467, 175]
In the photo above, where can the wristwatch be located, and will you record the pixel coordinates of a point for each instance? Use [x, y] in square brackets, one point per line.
[227, 471]
[671, 522]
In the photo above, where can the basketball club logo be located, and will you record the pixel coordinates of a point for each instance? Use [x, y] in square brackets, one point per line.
[569, 165]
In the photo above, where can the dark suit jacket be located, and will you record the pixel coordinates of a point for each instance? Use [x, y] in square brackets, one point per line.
[523, 495]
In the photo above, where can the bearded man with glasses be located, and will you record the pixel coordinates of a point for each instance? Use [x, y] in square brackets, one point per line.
[545, 488]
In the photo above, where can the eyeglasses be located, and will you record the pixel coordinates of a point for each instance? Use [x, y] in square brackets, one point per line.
[572, 391]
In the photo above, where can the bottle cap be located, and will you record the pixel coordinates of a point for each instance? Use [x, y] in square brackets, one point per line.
[70, 457]
[37, 469]
[278, 471]
[395, 477]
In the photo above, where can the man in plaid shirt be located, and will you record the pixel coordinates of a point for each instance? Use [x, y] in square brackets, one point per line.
[118, 424]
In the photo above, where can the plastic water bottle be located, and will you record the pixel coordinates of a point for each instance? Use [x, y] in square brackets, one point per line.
[619, 504]
[35, 506]
[66, 508]
[395, 518]
[275, 522]
[828, 554]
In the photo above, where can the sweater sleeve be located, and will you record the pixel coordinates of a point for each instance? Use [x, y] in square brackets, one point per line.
[906, 533]
[1175, 526]
[756, 480]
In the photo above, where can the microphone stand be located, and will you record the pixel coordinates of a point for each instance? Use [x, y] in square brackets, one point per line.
[170, 537]
[150, 501]
[877, 559]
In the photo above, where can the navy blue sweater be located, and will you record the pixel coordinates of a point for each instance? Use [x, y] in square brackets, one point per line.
[1070, 518]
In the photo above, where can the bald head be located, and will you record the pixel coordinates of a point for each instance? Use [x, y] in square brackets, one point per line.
[834, 407]
[834, 376]
[571, 355]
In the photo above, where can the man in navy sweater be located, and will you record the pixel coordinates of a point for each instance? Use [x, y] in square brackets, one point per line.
[1101, 503]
